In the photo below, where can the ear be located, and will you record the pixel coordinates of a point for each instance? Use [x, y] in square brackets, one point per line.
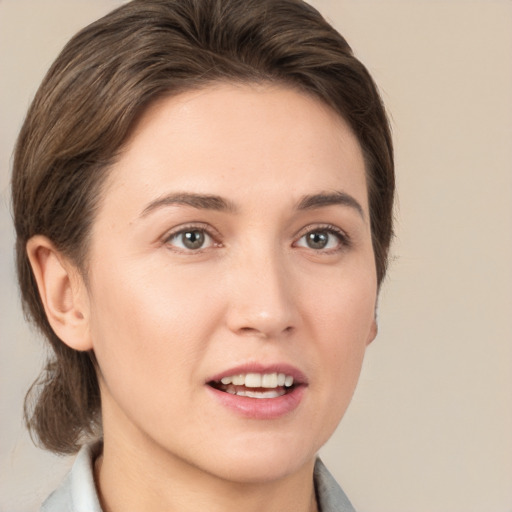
[374, 329]
[62, 291]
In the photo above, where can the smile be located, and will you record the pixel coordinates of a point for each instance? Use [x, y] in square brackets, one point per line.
[259, 391]
[255, 385]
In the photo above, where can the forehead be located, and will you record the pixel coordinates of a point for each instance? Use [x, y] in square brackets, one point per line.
[228, 137]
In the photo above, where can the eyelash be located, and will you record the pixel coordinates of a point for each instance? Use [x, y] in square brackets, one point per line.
[343, 239]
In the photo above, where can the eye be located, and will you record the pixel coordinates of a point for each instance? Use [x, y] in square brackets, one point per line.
[190, 239]
[323, 239]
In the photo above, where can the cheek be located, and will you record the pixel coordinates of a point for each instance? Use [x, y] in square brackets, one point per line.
[148, 340]
[342, 320]
[342, 347]
[345, 306]
[142, 326]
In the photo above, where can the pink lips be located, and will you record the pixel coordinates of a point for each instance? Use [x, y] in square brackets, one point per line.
[261, 408]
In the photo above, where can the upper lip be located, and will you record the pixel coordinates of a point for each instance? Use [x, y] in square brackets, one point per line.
[287, 369]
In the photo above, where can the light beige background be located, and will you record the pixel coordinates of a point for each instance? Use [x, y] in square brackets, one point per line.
[430, 427]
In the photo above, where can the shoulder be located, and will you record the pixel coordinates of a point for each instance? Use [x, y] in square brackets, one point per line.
[330, 495]
[77, 493]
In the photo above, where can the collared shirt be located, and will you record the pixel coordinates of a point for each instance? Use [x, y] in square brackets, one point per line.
[77, 493]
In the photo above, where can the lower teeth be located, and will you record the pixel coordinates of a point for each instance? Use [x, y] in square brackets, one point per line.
[252, 392]
[273, 393]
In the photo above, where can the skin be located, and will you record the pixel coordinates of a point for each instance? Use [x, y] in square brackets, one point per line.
[162, 318]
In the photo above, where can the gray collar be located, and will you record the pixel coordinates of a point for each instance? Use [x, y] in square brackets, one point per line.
[329, 494]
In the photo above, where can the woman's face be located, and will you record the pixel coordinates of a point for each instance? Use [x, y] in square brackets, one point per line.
[231, 252]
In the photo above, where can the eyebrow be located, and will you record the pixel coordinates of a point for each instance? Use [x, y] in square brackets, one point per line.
[200, 201]
[217, 203]
[323, 199]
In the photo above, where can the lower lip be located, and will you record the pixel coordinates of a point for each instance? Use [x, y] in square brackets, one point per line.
[260, 408]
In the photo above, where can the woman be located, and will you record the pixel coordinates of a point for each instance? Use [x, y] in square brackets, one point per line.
[203, 200]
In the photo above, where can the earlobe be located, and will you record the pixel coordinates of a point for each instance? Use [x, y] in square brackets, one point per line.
[374, 329]
[62, 293]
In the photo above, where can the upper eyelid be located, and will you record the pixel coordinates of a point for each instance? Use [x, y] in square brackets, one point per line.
[322, 227]
[191, 226]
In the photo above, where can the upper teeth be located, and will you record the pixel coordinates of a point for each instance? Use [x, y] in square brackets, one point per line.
[259, 380]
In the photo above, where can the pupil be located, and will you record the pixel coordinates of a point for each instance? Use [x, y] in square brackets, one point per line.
[317, 240]
[193, 239]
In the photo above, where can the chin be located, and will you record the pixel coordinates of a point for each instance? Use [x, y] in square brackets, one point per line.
[262, 461]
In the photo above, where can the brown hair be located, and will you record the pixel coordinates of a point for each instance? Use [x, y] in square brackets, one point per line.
[92, 96]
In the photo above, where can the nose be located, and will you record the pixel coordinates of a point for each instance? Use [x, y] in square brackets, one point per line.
[262, 299]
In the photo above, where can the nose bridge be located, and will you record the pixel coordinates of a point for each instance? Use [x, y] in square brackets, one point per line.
[262, 301]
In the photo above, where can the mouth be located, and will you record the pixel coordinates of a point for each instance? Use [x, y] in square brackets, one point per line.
[259, 392]
[256, 385]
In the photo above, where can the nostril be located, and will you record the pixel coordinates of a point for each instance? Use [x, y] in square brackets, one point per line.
[252, 331]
